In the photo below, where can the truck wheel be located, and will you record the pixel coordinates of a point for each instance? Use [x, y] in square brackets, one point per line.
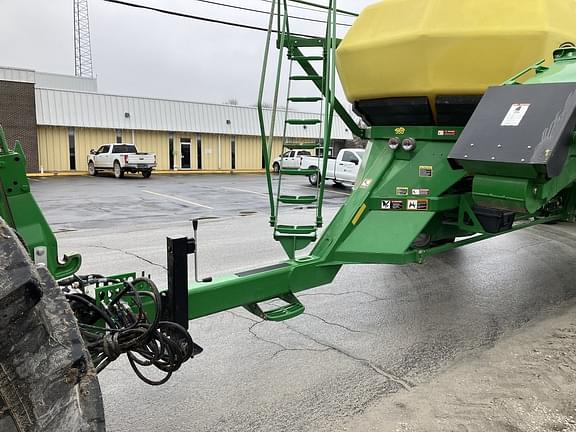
[91, 170]
[147, 173]
[118, 171]
[315, 178]
[276, 167]
[47, 380]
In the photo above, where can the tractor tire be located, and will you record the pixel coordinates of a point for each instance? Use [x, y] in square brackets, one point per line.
[118, 171]
[47, 380]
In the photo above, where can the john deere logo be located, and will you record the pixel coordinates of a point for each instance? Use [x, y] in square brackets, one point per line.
[400, 131]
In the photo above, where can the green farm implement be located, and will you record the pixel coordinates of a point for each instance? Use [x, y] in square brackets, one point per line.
[438, 173]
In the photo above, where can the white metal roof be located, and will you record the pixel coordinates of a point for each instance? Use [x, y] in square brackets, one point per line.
[94, 110]
[48, 80]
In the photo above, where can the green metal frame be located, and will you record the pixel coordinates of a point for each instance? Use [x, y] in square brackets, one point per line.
[19, 209]
[400, 197]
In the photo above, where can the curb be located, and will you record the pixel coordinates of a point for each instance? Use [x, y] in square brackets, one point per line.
[162, 172]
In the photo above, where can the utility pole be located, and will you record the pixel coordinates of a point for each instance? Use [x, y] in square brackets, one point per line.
[82, 45]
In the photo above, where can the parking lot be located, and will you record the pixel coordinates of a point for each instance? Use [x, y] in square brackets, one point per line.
[376, 334]
[97, 202]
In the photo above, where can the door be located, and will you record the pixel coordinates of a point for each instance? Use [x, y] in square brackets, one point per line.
[347, 167]
[101, 157]
[185, 161]
[290, 161]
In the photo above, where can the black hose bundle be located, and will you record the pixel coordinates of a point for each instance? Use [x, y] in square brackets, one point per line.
[121, 326]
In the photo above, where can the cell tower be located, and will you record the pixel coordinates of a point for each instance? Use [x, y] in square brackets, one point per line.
[82, 46]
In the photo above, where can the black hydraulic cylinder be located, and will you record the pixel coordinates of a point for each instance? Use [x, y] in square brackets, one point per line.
[176, 308]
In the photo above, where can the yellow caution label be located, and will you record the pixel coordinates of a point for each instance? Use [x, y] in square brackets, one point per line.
[359, 214]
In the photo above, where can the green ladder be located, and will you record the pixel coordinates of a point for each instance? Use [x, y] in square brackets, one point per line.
[319, 70]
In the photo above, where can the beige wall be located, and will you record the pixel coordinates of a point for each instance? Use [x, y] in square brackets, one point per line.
[216, 149]
[53, 148]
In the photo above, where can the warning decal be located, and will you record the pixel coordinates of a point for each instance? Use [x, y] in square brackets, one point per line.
[421, 205]
[420, 192]
[515, 115]
[425, 171]
[392, 205]
[402, 191]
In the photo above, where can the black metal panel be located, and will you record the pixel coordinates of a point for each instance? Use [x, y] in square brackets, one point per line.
[175, 308]
[521, 124]
[403, 111]
[455, 110]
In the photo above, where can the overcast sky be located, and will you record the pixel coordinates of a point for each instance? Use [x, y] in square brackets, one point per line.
[143, 53]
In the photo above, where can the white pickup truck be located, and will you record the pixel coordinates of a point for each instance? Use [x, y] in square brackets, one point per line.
[120, 159]
[290, 159]
[341, 170]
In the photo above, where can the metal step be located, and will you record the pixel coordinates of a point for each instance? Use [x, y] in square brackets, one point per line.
[302, 146]
[297, 199]
[301, 172]
[303, 121]
[304, 99]
[306, 78]
[296, 230]
[308, 58]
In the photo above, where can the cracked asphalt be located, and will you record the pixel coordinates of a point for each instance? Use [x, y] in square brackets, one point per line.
[377, 331]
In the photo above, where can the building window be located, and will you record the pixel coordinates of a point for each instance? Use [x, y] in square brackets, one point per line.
[171, 149]
[118, 135]
[72, 147]
[199, 150]
[233, 152]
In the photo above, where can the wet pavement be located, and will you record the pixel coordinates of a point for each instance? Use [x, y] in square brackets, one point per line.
[375, 331]
[99, 202]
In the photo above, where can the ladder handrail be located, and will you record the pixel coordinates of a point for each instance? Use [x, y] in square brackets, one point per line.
[263, 137]
[329, 94]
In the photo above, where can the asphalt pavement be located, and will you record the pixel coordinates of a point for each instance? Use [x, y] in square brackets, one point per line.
[374, 332]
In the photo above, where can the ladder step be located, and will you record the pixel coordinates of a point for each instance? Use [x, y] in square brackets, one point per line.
[305, 99]
[301, 172]
[306, 78]
[303, 121]
[301, 199]
[302, 146]
[308, 58]
[292, 230]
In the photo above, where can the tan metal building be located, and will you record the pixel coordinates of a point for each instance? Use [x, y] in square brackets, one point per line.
[72, 118]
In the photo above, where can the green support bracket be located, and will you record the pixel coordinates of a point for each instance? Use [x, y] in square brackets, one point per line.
[19, 209]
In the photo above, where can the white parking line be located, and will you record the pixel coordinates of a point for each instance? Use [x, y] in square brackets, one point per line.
[33, 179]
[247, 191]
[178, 199]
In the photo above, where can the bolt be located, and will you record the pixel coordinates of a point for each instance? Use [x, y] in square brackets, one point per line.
[499, 145]
[472, 145]
[465, 156]
[535, 191]
[522, 160]
[493, 158]
[529, 147]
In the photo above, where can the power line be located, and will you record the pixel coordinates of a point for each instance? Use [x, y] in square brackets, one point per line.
[338, 12]
[199, 18]
[266, 13]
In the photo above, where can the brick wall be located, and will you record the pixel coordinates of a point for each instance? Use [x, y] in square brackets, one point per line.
[18, 118]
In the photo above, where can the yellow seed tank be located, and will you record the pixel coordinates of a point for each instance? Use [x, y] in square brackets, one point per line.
[407, 48]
